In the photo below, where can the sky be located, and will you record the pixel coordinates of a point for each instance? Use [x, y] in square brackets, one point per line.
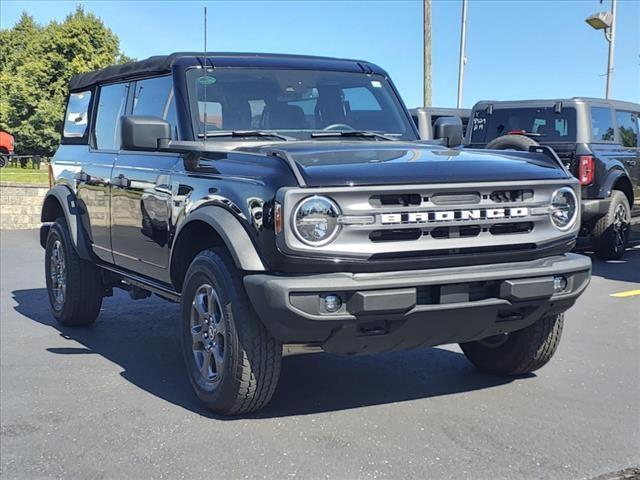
[516, 49]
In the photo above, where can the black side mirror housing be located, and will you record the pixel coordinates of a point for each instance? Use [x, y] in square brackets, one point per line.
[449, 129]
[142, 132]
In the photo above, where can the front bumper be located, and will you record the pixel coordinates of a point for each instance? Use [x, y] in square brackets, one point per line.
[409, 309]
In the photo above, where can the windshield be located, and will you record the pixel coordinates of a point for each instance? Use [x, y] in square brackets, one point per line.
[293, 103]
[543, 124]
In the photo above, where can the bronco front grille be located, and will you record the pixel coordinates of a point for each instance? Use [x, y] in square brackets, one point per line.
[398, 221]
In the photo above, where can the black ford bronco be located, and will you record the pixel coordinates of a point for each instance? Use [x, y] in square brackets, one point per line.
[596, 139]
[287, 200]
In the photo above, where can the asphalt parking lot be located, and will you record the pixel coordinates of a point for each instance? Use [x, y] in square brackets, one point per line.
[112, 401]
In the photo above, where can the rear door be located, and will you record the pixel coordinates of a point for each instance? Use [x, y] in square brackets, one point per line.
[627, 130]
[141, 189]
[93, 180]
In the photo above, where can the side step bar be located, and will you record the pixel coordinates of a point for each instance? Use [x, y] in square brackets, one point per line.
[143, 283]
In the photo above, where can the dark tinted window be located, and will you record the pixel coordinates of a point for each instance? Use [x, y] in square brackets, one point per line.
[76, 118]
[111, 105]
[154, 97]
[294, 102]
[627, 128]
[544, 124]
[601, 124]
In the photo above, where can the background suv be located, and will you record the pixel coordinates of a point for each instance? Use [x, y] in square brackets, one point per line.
[596, 139]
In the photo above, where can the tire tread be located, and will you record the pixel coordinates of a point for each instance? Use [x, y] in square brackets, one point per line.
[84, 292]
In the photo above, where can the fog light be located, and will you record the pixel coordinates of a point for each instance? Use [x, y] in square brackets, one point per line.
[559, 284]
[332, 303]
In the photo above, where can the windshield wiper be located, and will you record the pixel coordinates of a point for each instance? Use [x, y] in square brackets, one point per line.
[245, 134]
[351, 133]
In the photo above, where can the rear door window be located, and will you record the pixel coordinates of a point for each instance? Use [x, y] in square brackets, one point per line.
[627, 128]
[544, 124]
[76, 118]
[111, 106]
[601, 125]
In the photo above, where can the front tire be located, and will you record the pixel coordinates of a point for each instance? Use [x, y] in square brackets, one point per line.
[611, 232]
[232, 361]
[519, 352]
[74, 285]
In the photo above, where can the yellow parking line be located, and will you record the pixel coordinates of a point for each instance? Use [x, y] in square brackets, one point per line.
[628, 293]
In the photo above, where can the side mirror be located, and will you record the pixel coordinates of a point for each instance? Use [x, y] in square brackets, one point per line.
[141, 132]
[449, 129]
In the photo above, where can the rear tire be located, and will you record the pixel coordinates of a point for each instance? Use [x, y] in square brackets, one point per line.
[74, 285]
[519, 352]
[232, 360]
[611, 233]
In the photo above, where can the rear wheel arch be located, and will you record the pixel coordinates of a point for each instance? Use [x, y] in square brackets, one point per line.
[60, 202]
[616, 179]
[624, 185]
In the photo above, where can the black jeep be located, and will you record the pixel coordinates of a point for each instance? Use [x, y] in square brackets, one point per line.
[287, 200]
[598, 142]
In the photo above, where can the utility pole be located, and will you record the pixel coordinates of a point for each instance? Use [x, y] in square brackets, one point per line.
[611, 37]
[606, 21]
[426, 24]
[463, 58]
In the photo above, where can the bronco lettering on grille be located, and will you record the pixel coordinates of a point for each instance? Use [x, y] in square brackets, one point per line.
[453, 215]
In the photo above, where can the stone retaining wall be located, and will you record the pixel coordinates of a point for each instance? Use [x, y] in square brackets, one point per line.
[20, 206]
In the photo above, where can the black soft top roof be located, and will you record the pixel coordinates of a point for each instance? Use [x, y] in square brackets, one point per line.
[162, 64]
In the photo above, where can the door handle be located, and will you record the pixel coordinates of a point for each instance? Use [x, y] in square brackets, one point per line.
[121, 181]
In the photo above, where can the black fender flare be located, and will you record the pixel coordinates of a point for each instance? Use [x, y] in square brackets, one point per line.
[612, 178]
[232, 233]
[68, 202]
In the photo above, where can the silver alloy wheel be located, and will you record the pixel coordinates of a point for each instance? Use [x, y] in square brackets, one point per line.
[620, 227]
[208, 333]
[494, 341]
[58, 274]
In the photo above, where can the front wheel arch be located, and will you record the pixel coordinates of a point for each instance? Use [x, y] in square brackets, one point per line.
[212, 227]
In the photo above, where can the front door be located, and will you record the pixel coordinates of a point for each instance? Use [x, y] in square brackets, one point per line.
[141, 212]
[141, 191]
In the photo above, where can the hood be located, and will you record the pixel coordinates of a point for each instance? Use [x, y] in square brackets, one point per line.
[329, 163]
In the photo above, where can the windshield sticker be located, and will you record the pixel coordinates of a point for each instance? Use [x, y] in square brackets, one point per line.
[376, 84]
[207, 80]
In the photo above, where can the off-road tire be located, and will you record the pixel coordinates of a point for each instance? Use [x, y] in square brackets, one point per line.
[523, 351]
[251, 356]
[606, 243]
[83, 295]
[512, 142]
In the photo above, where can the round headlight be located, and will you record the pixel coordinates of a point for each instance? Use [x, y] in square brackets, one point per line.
[564, 208]
[315, 221]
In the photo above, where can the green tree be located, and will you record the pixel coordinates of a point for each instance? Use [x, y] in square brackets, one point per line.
[36, 64]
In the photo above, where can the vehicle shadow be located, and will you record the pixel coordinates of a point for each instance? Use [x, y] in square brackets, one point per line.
[626, 269]
[142, 338]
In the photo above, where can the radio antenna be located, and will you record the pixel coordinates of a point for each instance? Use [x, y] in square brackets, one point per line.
[206, 83]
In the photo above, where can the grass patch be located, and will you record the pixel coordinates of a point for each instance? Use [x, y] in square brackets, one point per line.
[24, 176]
